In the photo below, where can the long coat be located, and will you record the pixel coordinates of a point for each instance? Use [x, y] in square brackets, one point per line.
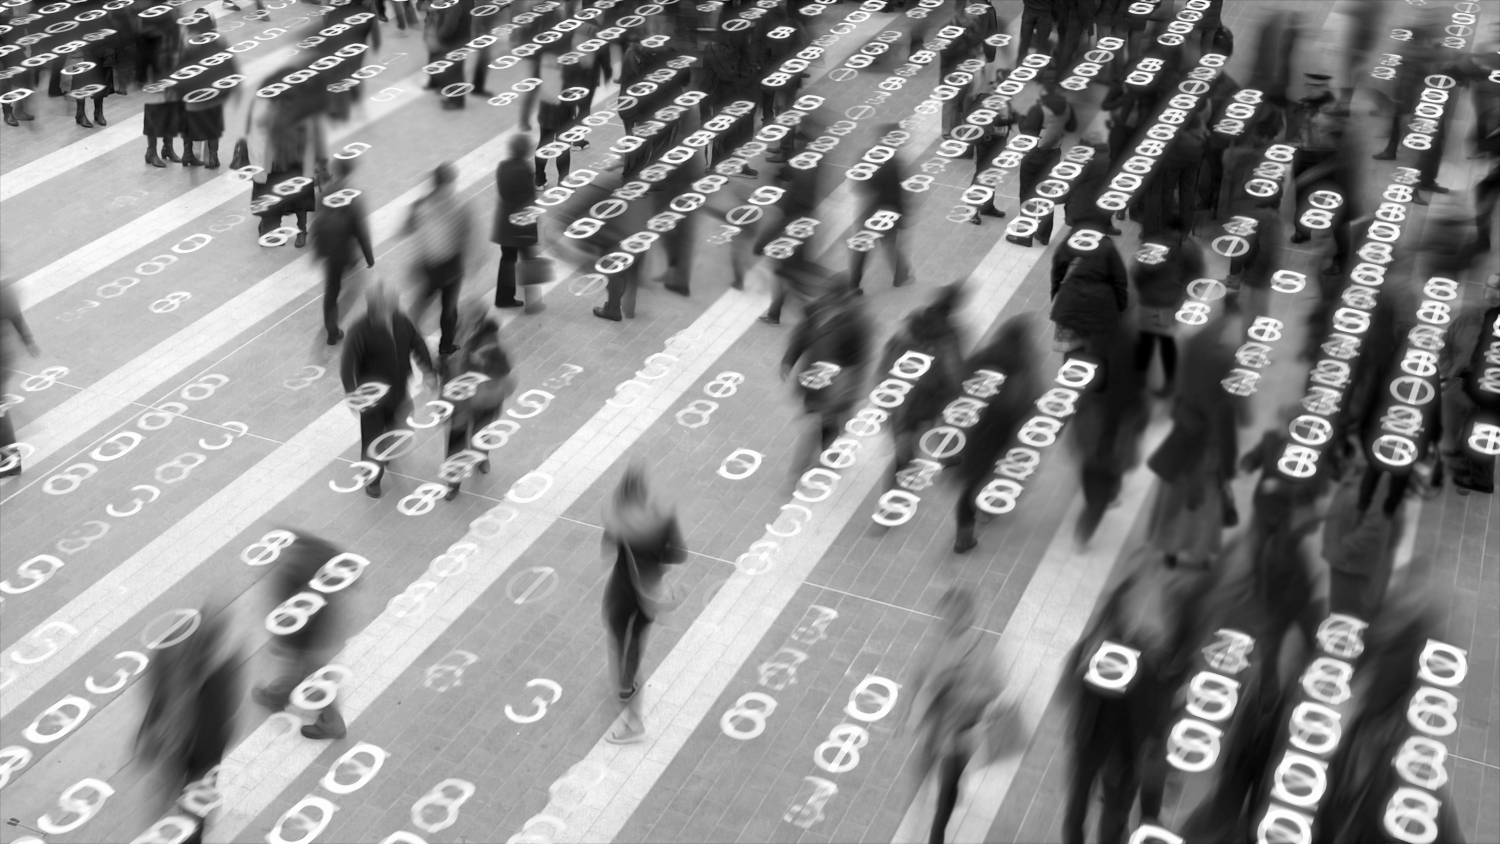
[515, 192]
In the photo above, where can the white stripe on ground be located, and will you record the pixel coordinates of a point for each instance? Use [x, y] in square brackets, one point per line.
[683, 690]
[267, 762]
[58, 276]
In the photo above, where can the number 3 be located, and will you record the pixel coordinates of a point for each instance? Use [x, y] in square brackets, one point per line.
[539, 702]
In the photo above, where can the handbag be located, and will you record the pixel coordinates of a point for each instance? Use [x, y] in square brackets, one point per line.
[241, 157]
[665, 599]
[534, 271]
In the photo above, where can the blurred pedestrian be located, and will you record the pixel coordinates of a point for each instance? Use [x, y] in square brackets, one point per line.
[834, 340]
[10, 312]
[1014, 354]
[1163, 267]
[1197, 459]
[376, 368]
[929, 330]
[303, 641]
[340, 234]
[1090, 290]
[1106, 431]
[957, 702]
[641, 538]
[882, 194]
[194, 693]
[441, 226]
[477, 381]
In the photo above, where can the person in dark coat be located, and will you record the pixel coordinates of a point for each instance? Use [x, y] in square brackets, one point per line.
[678, 245]
[10, 312]
[1012, 353]
[799, 201]
[515, 195]
[641, 538]
[1090, 291]
[380, 348]
[158, 45]
[553, 117]
[1359, 545]
[1162, 269]
[1477, 393]
[340, 233]
[1082, 205]
[194, 697]
[442, 227]
[834, 339]
[446, 29]
[203, 119]
[290, 146]
[930, 331]
[1048, 119]
[306, 647]
[1198, 458]
[1037, 18]
[1106, 431]
[883, 192]
[1119, 736]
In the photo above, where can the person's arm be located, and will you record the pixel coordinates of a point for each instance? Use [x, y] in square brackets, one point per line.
[362, 234]
[1119, 280]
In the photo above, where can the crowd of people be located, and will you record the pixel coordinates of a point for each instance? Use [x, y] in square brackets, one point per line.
[1168, 278]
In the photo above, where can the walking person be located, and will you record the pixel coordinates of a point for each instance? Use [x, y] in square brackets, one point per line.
[302, 644]
[1050, 118]
[375, 368]
[10, 312]
[834, 340]
[440, 224]
[194, 694]
[882, 193]
[1090, 290]
[515, 228]
[1012, 353]
[338, 230]
[1164, 266]
[957, 693]
[477, 381]
[642, 536]
[928, 331]
[287, 139]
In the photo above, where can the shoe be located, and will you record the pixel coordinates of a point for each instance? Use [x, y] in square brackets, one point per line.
[12, 472]
[1045, 241]
[83, 120]
[373, 490]
[317, 733]
[991, 211]
[1300, 237]
[965, 543]
[190, 159]
[452, 493]
[510, 303]
[580, 145]
[858, 291]
[10, 119]
[738, 284]
[776, 159]
[977, 219]
[769, 320]
[334, 338]
[1434, 187]
[680, 291]
[749, 172]
[625, 735]
[301, 240]
[455, 104]
[1384, 156]
[212, 162]
[901, 282]
[480, 92]
[1113, 231]
[1334, 268]
[484, 466]
[155, 161]
[99, 117]
[606, 313]
[168, 154]
[540, 183]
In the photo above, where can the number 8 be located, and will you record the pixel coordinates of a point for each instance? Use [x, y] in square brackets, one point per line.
[339, 199]
[1317, 218]
[70, 480]
[422, 500]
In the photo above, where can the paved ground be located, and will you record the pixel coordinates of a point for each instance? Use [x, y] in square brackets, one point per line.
[477, 692]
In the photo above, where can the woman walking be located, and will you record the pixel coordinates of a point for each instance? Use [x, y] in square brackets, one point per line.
[644, 537]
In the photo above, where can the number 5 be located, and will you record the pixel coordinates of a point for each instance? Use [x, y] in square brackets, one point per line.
[540, 702]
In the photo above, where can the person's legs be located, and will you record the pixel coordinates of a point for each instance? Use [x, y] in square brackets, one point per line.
[372, 424]
[950, 771]
[505, 278]
[965, 514]
[1086, 763]
[333, 280]
[899, 266]
[856, 267]
[448, 318]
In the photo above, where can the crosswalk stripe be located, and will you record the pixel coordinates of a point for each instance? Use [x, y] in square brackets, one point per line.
[263, 766]
[691, 678]
[78, 265]
[104, 141]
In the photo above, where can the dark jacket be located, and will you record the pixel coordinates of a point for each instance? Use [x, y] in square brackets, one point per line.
[516, 192]
[928, 333]
[1086, 302]
[1011, 355]
[337, 232]
[841, 337]
[379, 353]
